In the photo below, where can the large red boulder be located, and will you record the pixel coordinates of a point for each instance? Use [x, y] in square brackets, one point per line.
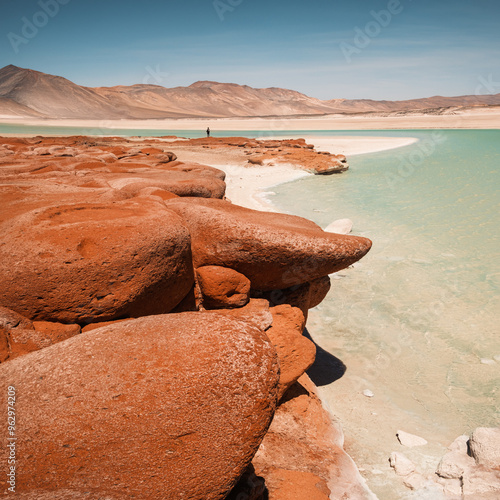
[273, 250]
[85, 263]
[162, 407]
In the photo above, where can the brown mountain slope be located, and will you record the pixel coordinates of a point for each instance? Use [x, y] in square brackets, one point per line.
[25, 92]
[217, 99]
[56, 97]
[8, 107]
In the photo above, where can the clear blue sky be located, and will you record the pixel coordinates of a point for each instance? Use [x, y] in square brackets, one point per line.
[439, 47]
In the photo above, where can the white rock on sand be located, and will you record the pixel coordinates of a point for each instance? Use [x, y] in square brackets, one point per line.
[484, 445]
[470, 470]
[402, 465]
[410, 440]
[460, 444]
[340, 226]
[454, 465]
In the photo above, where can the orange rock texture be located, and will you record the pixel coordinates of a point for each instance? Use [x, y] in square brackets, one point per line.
[153, 330]
[272, 250]
[162, 407]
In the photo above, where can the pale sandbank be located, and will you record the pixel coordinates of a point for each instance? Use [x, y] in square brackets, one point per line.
[480, 118]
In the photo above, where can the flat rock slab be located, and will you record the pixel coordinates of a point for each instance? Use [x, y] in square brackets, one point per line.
[410, 440]
[162, 407]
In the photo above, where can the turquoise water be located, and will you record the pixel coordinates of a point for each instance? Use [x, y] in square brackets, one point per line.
[104, 130]
[417, 320]
[431, 281]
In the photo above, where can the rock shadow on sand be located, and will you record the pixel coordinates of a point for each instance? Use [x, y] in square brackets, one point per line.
[326, 368]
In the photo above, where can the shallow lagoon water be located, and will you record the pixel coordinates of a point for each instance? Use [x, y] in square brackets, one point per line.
[416, 321]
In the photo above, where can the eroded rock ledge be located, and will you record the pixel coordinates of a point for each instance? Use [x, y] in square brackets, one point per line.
[153, 330]
[274, 151]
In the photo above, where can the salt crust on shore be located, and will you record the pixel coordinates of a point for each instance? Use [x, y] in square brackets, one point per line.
[484, 118]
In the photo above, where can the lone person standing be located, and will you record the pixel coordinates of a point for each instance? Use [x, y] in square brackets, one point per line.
[208, 131]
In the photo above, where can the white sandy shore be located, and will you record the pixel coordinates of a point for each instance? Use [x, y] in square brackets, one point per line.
[354, 145]
[482, 118]
[249, 186]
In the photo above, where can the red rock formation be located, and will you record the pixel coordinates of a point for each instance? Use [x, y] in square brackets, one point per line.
[163, 407]
[272, 250]
[296, 353]
[95, 262]
[302, 445]
[166, 406]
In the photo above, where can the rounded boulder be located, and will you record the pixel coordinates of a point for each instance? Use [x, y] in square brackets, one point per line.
[86, 263]
[162, 407]
[274, 251]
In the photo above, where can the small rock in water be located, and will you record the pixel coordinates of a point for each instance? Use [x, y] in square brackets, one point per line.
[340, 226]
[410, 440]
[368, 393]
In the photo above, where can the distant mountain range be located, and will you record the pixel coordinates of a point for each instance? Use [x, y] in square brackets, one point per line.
[29, 93]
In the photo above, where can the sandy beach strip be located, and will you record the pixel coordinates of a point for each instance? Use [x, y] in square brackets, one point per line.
[482, 118]
[354, 145]
[249, 186]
